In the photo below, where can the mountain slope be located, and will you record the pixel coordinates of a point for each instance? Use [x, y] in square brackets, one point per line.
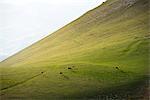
[105, 49]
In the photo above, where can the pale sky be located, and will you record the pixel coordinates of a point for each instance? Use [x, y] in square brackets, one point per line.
[23, 22]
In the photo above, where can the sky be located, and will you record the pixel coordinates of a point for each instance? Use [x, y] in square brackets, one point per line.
[24, 22]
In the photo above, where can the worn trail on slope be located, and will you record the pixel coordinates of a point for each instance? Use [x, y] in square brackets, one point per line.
[19, 83]
[129, 48]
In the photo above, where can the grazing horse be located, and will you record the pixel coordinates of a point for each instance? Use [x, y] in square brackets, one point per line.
[117, 68]
[69, 68]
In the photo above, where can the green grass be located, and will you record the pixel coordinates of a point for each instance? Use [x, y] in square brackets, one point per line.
[104, 38]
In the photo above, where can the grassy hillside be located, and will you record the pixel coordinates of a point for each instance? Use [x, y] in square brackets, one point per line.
[101, 55]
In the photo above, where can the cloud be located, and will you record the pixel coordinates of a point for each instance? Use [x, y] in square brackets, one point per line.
[52, 2]
[24, 22]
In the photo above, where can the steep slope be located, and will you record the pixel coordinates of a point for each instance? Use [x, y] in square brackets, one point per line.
[105, 49]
